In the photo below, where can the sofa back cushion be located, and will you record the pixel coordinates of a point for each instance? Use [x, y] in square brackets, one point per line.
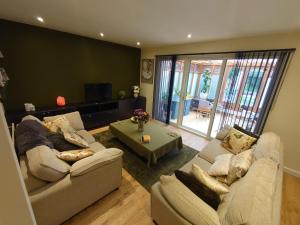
[268, 145]
[44, 164]
[74, 118]
[250, 199]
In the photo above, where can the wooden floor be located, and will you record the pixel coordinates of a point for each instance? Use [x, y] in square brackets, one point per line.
[130, 204]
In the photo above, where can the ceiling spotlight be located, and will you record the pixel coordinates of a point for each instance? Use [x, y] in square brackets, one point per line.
[189, 35]
[138, 43]
[101, 34]
[40, 19]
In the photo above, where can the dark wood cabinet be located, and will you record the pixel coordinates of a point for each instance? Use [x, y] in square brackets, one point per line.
[93, 115]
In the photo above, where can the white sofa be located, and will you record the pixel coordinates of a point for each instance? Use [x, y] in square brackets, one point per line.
[85, 182]
[255, 199]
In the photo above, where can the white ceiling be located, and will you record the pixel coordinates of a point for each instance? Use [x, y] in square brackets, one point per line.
[157, 22]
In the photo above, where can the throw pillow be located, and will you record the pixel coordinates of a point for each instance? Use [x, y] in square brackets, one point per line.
[236, 141]
[245, 131]
[221, 165]
[203, 192]
[59, 143]
[75, 139]
[208, 181]
[239, 166]
[60, 124]
[223, 132]
[74, 155]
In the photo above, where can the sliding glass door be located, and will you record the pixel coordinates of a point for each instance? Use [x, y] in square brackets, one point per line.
[195, 92]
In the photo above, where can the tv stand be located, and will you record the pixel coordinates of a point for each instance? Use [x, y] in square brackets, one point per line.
[94, 115]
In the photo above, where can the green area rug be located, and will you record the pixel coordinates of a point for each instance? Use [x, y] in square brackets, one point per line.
[137, 166]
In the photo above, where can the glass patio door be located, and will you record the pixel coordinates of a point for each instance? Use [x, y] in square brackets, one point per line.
[195, 92]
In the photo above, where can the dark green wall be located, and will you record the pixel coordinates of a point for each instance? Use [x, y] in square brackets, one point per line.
[43, 64]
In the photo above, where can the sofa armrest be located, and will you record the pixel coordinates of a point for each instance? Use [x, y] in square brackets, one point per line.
[95, 161]
[189, 206]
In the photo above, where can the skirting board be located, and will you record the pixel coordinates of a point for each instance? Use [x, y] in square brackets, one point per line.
[293, 172]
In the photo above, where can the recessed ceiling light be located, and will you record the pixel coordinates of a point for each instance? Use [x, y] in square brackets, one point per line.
[40, 19]
[189, 35]
[138, 43]
[101, 34]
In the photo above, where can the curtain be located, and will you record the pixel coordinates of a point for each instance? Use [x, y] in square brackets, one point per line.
[251, 87]
[163, 87]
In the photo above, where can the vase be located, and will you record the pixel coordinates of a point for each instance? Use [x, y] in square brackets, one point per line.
[141, 125]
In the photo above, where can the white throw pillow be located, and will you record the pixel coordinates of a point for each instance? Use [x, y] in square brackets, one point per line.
[208, 181]
[221, 165]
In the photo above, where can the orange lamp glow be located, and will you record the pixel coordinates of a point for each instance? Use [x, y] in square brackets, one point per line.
[60, 101]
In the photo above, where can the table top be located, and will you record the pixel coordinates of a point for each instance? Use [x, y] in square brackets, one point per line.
[160, 136]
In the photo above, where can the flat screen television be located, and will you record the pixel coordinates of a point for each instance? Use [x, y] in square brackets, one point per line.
[98, 92]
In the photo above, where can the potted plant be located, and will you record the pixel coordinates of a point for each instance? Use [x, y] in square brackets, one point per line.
[141, 117]
[206, 84]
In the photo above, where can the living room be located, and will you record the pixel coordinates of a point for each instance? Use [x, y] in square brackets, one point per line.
[126, 113]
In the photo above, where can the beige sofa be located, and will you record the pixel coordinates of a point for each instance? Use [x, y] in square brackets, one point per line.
[85, 182]
[255, 199]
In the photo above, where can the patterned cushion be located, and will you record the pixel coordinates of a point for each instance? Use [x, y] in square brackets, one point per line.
[208, 181]
[236, 141]
[74, 155]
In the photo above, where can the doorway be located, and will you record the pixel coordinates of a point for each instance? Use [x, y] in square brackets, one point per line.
[197, 81]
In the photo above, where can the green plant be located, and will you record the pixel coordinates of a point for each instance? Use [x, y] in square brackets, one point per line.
[206, 80]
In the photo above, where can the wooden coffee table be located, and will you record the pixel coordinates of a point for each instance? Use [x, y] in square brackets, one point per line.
[162, 139]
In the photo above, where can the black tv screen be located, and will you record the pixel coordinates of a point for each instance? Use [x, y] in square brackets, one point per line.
[98, 92]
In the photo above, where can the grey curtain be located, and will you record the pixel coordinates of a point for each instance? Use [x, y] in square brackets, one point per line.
[163, 87]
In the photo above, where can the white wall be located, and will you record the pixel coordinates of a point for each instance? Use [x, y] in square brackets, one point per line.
[284, 117]
[15, 208]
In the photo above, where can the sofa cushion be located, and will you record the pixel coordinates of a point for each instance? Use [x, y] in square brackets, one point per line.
[44, 164]
[60, 124]
[96, 147]
[221, 165]
[74, 118]
[86, 136]
[250, 199]
[208, 181]
[31, 182]
[268, 145]
[29, 134]
[237, 141]
[74, 155]
[203, 192]
[212, 150]
[95, 161]
[205, 165]
[239, 166]
[186, 203]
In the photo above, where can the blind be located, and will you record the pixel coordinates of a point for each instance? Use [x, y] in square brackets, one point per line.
[251, 88]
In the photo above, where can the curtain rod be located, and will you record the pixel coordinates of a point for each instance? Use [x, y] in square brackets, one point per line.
[248, 51]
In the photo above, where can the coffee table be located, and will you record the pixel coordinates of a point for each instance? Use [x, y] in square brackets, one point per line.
[162, 139]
